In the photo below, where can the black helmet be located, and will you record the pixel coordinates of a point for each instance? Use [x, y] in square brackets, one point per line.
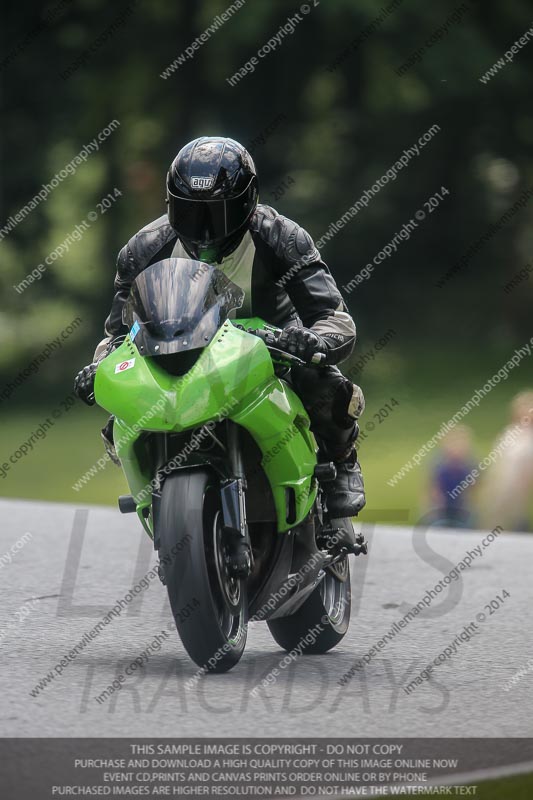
[211, 195]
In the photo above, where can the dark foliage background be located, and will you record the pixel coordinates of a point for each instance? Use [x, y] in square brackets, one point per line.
[334, 129]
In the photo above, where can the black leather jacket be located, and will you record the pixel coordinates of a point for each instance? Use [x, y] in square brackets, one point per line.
[284, 278]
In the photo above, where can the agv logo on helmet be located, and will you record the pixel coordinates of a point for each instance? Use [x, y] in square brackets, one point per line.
[198, 182]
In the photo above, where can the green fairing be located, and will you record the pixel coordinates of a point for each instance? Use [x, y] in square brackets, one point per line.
[233, 378]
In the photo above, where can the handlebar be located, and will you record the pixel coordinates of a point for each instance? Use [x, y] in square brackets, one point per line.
[270, 338]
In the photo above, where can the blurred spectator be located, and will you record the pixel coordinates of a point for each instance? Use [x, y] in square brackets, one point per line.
[508, 488]
[451, 468]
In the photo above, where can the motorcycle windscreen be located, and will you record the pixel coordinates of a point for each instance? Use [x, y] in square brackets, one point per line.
[178, 304]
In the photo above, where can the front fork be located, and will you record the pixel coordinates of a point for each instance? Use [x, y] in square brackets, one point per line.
[233, 497]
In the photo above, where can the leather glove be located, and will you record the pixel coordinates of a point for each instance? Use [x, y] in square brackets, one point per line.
[84, 384]
[301, 342]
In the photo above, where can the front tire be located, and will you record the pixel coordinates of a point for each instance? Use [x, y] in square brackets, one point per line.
[322, 621]
[209, 607]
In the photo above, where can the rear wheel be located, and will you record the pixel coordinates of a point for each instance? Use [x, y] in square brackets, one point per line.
[323, 620]
[209, 606]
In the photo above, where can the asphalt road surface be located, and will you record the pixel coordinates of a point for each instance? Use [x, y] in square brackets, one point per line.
[57, 583]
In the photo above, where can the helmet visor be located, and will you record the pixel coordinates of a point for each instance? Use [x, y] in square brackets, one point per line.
[204, 222]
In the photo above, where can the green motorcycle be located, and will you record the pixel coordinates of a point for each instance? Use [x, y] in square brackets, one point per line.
[217, 451]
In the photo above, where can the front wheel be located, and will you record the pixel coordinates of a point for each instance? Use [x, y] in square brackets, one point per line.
[322, 621]
[209, 606]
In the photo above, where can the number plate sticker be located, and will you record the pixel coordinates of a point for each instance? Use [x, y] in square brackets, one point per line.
[124, 365]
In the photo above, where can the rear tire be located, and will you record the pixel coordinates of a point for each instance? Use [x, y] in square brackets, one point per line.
[209, 607]
[323, 620]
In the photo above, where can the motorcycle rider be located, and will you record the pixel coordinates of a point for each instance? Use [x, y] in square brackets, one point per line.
[213, 216]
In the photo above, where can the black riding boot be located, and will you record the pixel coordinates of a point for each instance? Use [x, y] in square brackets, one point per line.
[345, 496]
